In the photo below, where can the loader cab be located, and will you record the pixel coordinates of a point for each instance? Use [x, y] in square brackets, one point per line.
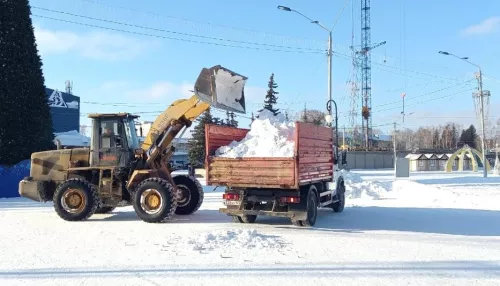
[113, 139]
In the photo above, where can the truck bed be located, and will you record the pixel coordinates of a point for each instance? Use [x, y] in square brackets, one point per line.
[312, 162]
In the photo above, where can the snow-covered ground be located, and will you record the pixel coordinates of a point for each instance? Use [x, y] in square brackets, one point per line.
[433, 229]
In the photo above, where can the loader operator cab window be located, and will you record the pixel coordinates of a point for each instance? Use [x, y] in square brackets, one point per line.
[132, 139]
[110, 134]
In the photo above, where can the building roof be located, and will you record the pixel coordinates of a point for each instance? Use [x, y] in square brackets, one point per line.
[72, 138]
[119, 114]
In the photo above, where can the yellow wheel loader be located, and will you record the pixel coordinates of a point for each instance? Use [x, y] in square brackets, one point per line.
[117, 171]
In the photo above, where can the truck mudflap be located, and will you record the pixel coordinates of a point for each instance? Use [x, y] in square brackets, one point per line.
[33, 190]
[298, 214]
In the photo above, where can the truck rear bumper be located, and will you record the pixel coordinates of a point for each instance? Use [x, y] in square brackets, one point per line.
[296, 215]
[31, 190]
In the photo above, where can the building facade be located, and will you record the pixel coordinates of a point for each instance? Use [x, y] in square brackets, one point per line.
[65, 110]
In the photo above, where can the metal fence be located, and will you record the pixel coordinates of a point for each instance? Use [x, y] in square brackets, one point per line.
[10, 177]
[371, 160]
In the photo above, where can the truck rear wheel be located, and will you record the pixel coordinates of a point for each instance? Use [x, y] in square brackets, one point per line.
[75, 199]
[154, 200]
[311, 208]
[190, 195]
[245, 218]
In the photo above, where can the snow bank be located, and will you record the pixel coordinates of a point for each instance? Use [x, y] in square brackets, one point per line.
[269, 136]
[242, 239]
[357, 188]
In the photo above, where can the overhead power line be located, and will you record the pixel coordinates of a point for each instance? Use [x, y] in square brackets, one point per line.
[155, 14]
[175, 32]
[180, 39]
[426, 101]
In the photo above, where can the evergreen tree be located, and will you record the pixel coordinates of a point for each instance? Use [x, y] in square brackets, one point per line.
[196, 153]
[436, 142]
[303, 117]
[232, 121]
[271, 98]
[468, 137]
[26, 121]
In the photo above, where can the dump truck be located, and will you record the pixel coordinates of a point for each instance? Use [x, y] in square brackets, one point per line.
[292, 187]
[118, 170]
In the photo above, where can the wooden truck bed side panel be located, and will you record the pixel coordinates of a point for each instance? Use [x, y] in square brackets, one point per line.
[252, 172]
[244, 172]
[315, 153]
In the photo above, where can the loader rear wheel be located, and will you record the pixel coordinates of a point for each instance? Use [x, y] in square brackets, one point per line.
[75, 200]
[190, 196]
[154, 200]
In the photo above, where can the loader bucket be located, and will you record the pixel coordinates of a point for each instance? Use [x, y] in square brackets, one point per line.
[221, 88]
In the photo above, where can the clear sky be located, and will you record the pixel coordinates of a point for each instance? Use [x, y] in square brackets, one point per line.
[158, 48]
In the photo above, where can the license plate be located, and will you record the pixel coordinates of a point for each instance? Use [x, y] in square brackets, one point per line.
[231, 203]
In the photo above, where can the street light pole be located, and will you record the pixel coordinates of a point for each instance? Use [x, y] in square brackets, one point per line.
[330, 54]
[481, 96]
[330, 50]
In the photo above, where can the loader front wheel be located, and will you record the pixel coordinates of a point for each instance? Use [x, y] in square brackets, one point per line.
[190, 196]
[75, 199]
[154, 200]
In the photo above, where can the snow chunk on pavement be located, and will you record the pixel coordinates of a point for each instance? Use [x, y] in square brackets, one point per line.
[242, 239]
[269, 136]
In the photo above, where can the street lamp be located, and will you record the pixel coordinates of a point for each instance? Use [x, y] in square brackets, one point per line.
[329, 118]
[480, 79]
[284, 8]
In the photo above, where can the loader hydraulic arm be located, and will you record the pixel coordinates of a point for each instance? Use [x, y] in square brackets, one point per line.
[178, 115]
[218, 87]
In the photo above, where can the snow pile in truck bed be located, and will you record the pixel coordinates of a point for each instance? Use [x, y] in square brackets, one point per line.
[269, 136]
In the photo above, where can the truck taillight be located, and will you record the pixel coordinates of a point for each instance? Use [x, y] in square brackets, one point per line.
[231, 197]
[293, 200]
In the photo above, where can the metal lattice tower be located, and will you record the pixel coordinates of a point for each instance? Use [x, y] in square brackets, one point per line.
[366, 93]
[353, 86]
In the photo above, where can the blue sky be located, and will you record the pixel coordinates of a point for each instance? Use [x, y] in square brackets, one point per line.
[146, 69]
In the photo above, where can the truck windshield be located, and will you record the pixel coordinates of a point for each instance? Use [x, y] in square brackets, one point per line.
[133, 140]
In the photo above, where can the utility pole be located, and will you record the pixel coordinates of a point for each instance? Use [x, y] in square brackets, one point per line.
[343, 137]
[394, 147]
[483, 145]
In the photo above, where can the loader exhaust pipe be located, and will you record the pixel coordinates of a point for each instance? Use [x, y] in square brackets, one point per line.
[221, 88]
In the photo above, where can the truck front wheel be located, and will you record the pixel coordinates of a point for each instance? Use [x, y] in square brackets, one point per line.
[338, 207]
